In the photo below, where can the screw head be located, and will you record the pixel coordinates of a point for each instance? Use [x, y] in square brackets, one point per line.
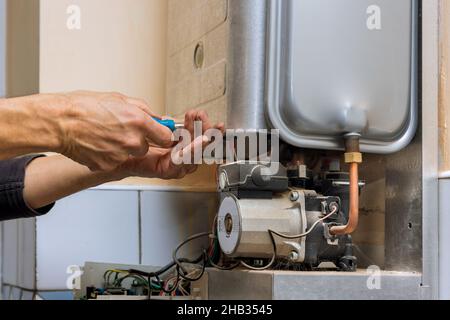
[334, 206]
[223, 181]
[294, 196]
[293, 256]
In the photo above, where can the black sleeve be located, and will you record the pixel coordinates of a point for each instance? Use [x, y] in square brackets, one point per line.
[12, 203]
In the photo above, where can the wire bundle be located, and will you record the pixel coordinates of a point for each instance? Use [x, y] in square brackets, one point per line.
[184, 275]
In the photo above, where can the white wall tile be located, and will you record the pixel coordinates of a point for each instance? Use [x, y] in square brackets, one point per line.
[10, 252]
[444, 239]
[27, 295]
[1, 261]
[170, 217]
[19, 253]
[15, 294]
[94, 225]
[6, 290]
[27, 253]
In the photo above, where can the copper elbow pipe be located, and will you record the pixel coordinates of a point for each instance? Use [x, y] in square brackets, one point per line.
[354, 158]
[354, 205]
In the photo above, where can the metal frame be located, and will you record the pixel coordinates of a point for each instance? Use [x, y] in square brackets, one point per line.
[430, 154]
[246, 77]
[286, 285]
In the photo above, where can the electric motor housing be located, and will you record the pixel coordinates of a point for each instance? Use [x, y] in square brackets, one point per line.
[245, 222]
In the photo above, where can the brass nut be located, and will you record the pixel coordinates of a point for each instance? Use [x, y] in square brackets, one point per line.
[353, 157]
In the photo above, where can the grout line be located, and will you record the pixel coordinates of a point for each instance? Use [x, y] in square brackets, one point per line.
[12, 286]
[444, 175]
[117, 187]
[140, 227]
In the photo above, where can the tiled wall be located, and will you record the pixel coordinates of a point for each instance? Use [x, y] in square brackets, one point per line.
[112, 226]
[444, 239]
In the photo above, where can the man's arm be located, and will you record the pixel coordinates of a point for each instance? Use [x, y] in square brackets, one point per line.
[98, 130]
[52, 178]
[29, 186]
[48, 179]
[12, 202]
[30, 125]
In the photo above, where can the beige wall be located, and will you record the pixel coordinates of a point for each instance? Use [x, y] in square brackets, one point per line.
[121, 47]
[444, 90]
[22, 54]
[191, 23]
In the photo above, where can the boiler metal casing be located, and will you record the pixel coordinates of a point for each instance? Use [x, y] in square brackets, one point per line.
[350, 68]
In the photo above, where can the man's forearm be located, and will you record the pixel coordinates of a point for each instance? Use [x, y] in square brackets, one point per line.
[50, 179]
[30, 125]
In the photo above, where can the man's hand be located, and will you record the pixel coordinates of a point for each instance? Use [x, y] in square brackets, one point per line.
[158, 163]
[63, 177]
[102, 130]
[198, 115]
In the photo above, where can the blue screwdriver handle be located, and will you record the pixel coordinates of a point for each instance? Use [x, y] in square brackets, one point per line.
[170, 124]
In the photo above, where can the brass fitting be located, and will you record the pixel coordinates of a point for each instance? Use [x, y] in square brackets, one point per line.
[353, 157]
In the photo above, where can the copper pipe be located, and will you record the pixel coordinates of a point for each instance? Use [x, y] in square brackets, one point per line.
[354, 158]
[354, 205]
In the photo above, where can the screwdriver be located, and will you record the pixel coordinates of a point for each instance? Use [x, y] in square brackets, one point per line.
[170, 124]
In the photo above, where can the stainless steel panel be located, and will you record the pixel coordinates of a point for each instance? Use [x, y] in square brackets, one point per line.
[246, 75]
[430, 148]
[239, 285]
[403, 221]
[334, 286]
[278, 285]
[329, 74]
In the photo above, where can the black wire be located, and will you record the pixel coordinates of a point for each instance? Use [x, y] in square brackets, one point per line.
[192, 238]
[107, 277]
[107, 272]
[150, 289]
[177, 262]
[229, 268]
[175, 285]
[184, 277]
[166, 268]
[119, 281]
[272, 261]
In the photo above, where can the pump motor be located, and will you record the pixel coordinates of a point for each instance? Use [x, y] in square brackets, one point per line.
[252, 213]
